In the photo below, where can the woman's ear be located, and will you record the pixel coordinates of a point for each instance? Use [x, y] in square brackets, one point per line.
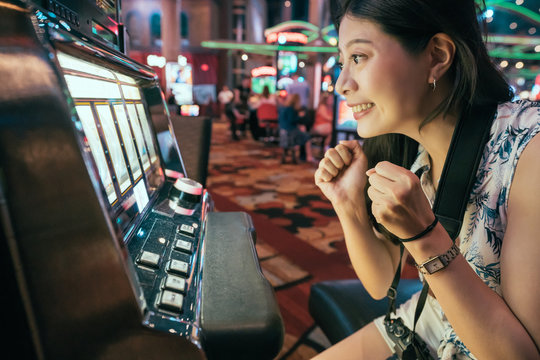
[441, 49]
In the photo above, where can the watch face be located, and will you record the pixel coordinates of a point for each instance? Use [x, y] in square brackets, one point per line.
[434, 265]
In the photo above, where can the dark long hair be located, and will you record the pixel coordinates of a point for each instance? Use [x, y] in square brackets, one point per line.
[475, 79]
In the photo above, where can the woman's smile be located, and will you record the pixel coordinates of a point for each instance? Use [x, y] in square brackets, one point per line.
[361, 110]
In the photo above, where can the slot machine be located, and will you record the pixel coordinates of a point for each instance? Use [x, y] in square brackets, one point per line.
[108, 249]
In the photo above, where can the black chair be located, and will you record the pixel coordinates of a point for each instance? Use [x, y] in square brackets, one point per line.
[193, 134]
[341, 307]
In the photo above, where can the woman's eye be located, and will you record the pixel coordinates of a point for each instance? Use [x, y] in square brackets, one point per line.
[356, 58]
[340, 65]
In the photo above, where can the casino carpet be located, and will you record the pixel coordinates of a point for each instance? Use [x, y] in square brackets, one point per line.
[299, 239]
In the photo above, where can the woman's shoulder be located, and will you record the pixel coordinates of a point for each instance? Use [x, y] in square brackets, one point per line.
[519, 112]
[515, 125]
[516, 117]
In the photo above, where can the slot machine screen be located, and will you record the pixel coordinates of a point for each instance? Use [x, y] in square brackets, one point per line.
[189, 110]
[344, 116]
[258, 84]
[287, 64]
[115, 128]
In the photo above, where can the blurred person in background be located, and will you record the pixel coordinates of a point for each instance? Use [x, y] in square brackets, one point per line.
[301, 88]
[225, 96]
[291, 133]
[324, 117]
[235, 116]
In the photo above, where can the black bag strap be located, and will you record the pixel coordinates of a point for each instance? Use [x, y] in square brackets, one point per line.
[457, 179]
[460, 167]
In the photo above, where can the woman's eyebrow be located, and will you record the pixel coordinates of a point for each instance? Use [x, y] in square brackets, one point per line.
[355, 41]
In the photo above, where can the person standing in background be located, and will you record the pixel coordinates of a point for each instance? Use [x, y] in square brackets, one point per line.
[234, 115]
[225, 96]
[323, 119]
[242, 94]
[301, 88]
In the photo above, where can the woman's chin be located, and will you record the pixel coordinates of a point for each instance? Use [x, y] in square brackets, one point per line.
[366, 131]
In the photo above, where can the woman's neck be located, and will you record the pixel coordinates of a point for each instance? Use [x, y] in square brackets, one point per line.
[436, 137]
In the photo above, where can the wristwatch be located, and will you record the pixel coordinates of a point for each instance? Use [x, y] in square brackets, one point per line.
[439, 262]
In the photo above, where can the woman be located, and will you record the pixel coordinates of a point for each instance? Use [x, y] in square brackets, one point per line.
[413, 68]
[267, 97]
[323, 119]
[292, 134]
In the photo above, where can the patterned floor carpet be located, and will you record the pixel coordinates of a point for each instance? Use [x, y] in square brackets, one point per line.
[299, 239]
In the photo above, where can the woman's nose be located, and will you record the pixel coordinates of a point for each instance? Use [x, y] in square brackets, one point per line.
[345, 84]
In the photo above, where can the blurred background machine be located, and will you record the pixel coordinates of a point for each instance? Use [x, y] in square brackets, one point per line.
[108, 249]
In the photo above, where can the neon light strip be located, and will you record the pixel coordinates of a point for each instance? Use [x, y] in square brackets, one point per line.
[266, 47]
[514, 55]
[287, 25]
[520, 10]
[514, 40]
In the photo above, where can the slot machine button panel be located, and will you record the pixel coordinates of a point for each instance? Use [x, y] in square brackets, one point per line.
[174, 283]
[183, 245]
[170, 300]
[187, 230]
[149, 259]
[178, 267]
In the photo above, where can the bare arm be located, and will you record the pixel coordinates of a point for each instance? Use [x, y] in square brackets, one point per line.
[341, 177]
[494, 327]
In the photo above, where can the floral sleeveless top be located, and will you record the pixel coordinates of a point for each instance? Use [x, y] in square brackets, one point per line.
[484, 222]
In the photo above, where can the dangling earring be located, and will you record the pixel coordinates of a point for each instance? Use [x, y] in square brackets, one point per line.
[433, 85]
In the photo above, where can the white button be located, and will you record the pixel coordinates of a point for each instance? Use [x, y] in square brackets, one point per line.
[182, 245]
[178, 266]
[171, 300]
[187, 229]
[175, 283]
[149, 258]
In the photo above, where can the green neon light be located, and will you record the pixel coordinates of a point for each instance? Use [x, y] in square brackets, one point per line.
[266, 47]
[325, 30]
[517, 9]
[291, 24]
[513, 55]
[312, 37]
[514, 40]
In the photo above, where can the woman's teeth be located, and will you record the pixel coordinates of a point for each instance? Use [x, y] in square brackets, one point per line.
[362, 107]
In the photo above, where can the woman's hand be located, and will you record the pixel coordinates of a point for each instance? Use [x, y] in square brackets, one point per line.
[399, 203]
[341, 174]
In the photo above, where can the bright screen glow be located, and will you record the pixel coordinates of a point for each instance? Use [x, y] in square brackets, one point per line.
[131, 92]
[92, 137]
[147, 132]
[113, 144]
[189, 110]
[141, 146]
[72, 63]
[258, 84]
[141, 196]
[287, 63]
[117, 131]
[127, 139]
[345, 118]
[85, 88]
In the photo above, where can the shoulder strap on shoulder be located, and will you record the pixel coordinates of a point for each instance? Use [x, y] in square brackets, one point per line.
[459, 172]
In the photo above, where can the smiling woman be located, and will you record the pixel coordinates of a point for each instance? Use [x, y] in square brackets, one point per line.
[411, 70]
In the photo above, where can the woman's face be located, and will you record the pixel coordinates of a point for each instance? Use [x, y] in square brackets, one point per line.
[386, 87]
